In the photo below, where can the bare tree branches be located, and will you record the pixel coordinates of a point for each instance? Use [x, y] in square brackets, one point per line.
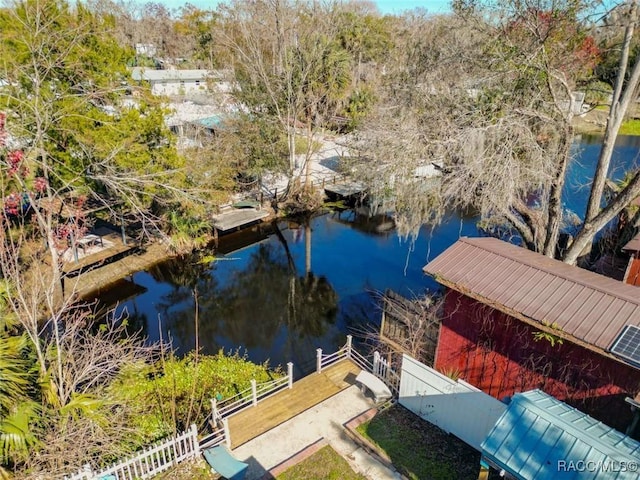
[489, 96]
[408, 326]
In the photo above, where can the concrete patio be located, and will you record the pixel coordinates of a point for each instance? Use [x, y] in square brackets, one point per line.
[324, 420]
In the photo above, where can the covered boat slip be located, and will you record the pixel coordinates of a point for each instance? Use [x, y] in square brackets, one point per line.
[540, 437]
[344, 189]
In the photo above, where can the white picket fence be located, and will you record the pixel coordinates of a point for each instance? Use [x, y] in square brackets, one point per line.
[151, 461]
[384, 372]
[379, 366]
[162, 456]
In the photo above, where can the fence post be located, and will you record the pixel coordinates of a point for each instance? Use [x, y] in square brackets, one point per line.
[290, 374]
[318, 360]
[174, 460]
[254, 392]
[214, 411]
[349, 345]
[376, 363]
[87, 470]
[194, 440]
[227, 433]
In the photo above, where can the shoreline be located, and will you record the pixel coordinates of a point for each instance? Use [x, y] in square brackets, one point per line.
[89, 285]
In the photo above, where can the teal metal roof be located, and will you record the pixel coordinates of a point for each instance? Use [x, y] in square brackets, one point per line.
[539, 437]
[211, 122]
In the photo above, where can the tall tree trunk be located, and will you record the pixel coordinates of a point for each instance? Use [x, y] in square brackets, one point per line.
[307, 246]
[307, 172]
[554, 218]
[624, 93]
[590, 228]
[279, 56]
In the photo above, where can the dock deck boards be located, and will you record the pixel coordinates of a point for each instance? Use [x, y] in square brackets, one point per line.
[345, 189]
[237, 218]
[117, 250]
[306, 392]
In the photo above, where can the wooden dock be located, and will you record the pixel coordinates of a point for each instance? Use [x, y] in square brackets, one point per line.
[115, 251]
[344, 189]
[98, 280]
[237, 218]
[286, 404]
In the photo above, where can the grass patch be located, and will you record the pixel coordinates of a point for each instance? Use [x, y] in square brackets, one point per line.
[302, 145]
[630, 127]
[418, 449]
[325, 464]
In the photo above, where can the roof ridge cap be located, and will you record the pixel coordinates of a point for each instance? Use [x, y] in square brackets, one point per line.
[623, 296]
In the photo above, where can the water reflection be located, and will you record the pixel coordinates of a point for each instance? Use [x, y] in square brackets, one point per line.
[266, 302]
[303, 285]
[364, 219]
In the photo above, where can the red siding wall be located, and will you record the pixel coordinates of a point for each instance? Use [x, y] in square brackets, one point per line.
[633, 271]
[500, 355]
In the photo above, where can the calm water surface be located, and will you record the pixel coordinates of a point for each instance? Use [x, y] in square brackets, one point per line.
[266, 296]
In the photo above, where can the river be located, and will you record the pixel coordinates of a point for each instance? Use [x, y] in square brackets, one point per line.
[278, 297]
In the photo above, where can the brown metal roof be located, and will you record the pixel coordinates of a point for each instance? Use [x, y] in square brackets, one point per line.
[585, 305]
[633, 245]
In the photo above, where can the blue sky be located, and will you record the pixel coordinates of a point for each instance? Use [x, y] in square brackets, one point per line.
[385, 6]
[397, 6]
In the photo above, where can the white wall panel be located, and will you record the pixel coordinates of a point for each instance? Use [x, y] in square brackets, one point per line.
[456, 407]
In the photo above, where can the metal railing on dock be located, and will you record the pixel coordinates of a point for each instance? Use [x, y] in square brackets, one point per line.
[379, 366]
[221, 410]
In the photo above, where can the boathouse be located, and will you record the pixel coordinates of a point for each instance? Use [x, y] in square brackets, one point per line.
[515, 320]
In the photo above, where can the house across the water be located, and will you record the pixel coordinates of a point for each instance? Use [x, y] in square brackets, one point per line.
[173, 82]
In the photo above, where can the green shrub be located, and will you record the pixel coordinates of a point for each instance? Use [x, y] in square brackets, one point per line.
[175, 393]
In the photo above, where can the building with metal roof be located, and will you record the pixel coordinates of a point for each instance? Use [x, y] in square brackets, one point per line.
[583, 306]
[539, 437]
[515, 320]
[212, 123]
[172, 82]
